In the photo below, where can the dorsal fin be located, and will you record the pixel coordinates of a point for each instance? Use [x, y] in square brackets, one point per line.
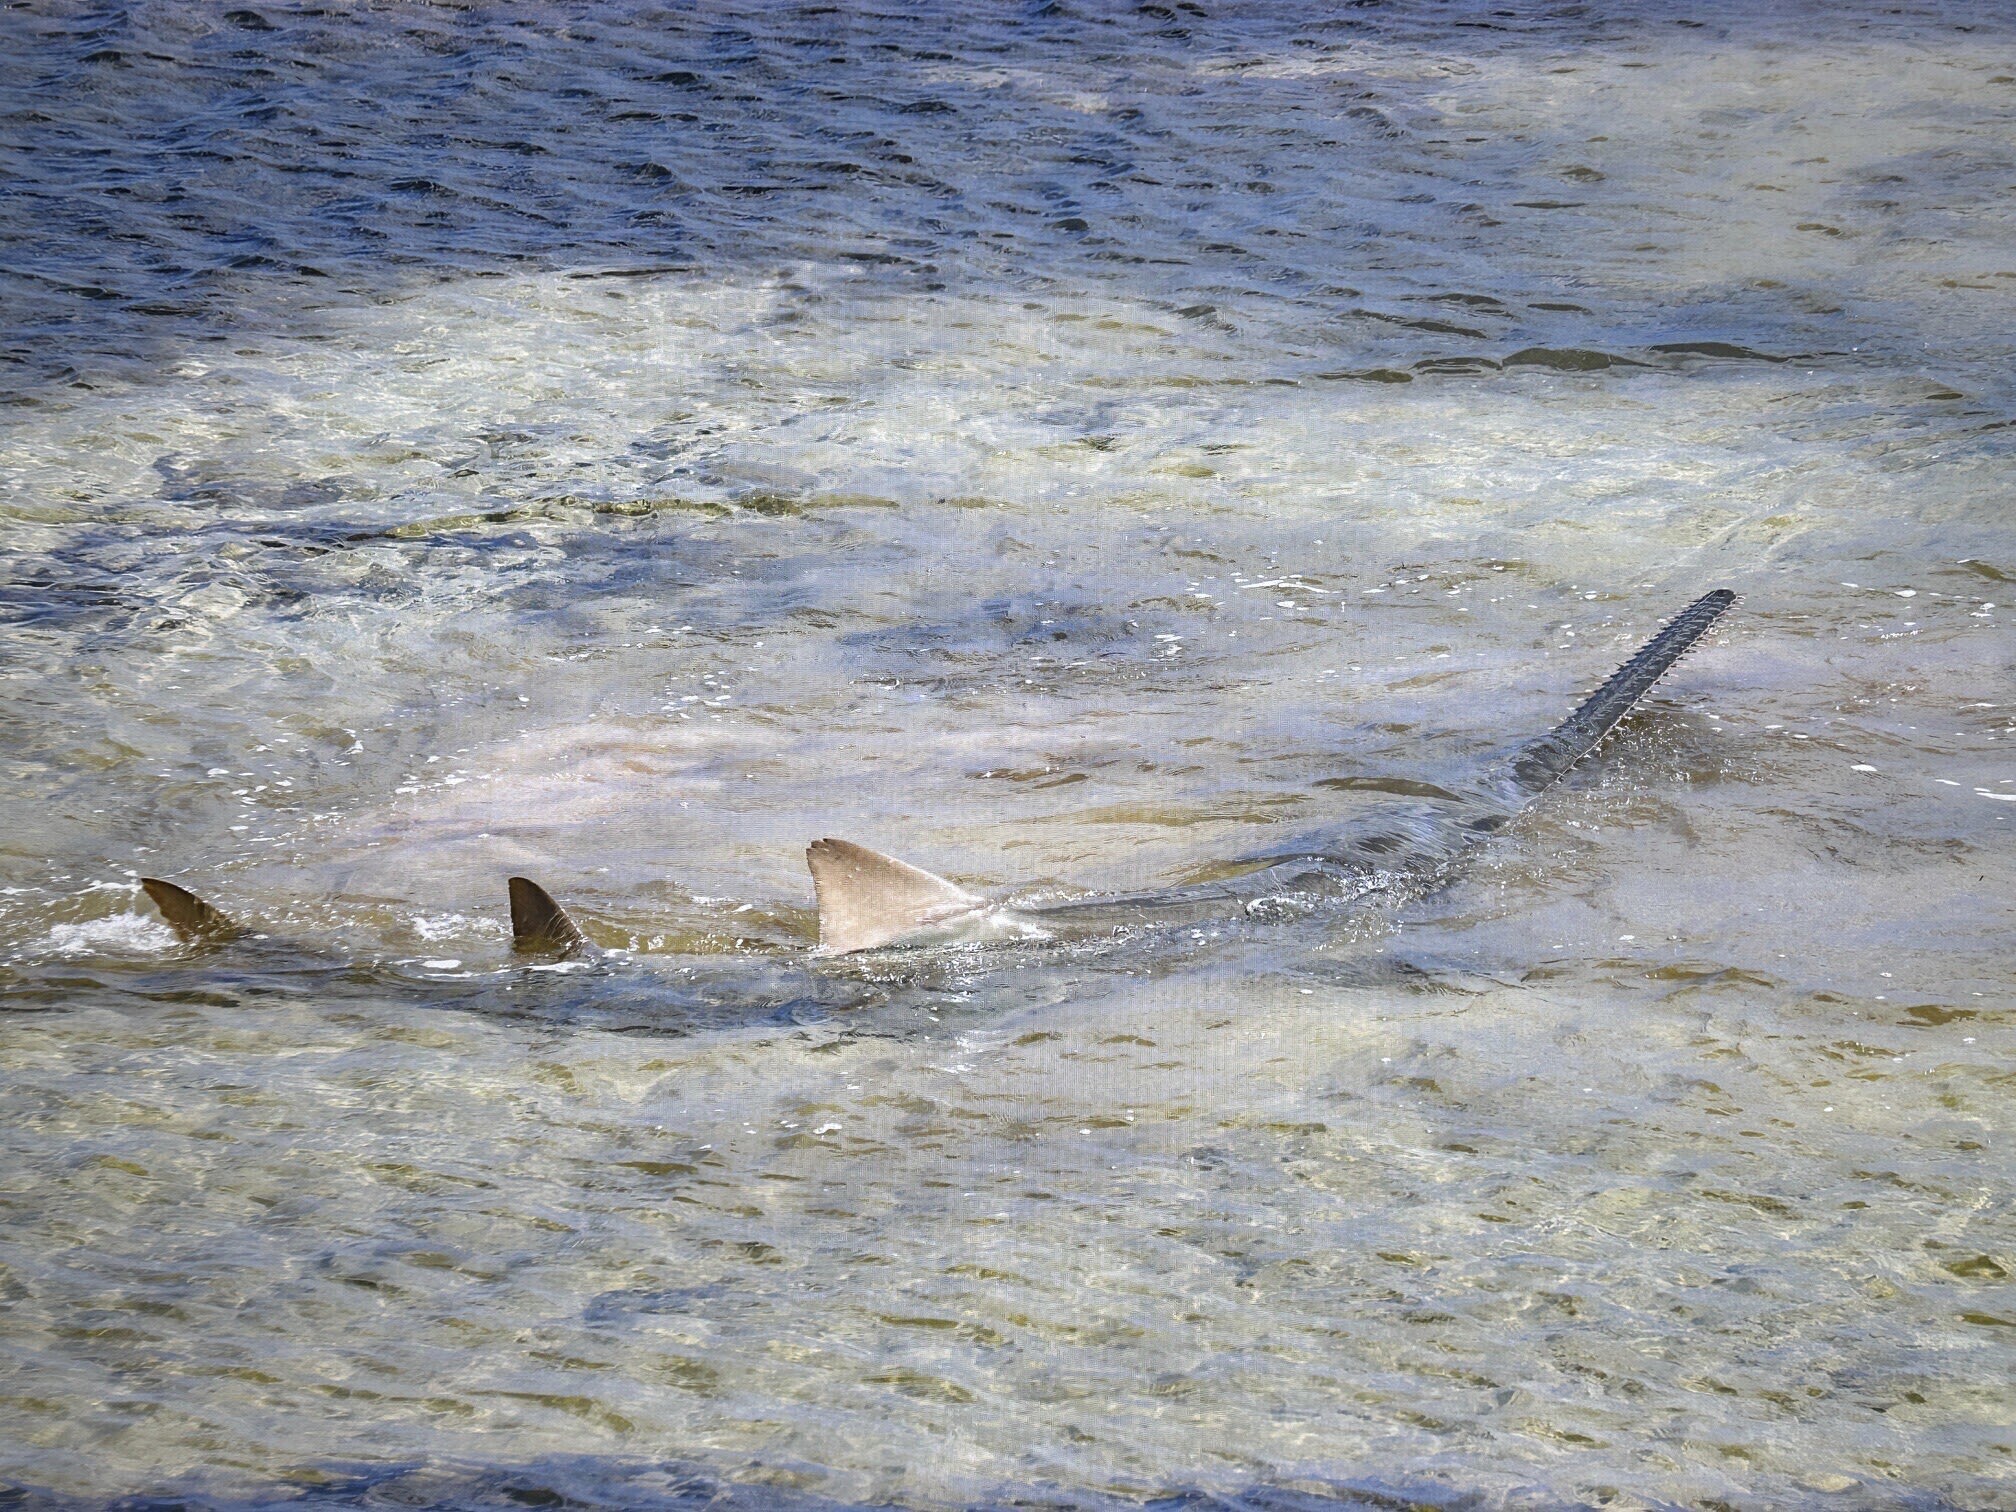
[538, 923]
[188, 915]
[868, 899]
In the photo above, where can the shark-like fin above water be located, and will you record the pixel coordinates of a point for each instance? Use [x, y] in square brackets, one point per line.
[193, 920]
[867, 899]
[540, 924]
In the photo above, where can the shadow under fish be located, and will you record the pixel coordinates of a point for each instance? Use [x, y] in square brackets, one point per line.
[893, 936]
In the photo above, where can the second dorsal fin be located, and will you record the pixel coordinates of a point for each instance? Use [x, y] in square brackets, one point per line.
[189, 916]
[867, 899]
[538, 923]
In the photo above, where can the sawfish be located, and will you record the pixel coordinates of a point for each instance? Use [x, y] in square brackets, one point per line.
[877, 908]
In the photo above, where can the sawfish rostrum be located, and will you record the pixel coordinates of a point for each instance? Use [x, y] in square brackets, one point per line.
[869, 902]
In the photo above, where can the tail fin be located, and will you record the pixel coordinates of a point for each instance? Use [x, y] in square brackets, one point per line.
[540, 924]
[189, 916]
[1547, 759]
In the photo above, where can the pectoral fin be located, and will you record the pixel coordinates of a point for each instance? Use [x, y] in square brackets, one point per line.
[193, 920]
[867, 899]
[540, 924]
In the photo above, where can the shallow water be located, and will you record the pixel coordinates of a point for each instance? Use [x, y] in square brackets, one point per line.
[1069, 446]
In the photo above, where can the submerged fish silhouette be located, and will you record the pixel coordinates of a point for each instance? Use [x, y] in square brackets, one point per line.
[869, 901]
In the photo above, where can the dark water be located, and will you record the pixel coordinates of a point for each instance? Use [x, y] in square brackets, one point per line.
[1068, 446]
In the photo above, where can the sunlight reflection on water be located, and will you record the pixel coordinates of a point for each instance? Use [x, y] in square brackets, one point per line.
[1067, 446]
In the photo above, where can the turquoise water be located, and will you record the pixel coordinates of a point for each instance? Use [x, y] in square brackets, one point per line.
[1069, 447]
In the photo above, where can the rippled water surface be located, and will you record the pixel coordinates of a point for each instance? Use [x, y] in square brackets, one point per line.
[1070, 445]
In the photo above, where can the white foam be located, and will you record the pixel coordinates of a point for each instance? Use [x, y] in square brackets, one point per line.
[115, 934]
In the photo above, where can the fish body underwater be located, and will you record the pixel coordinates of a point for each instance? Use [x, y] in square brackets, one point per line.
[1396, 852]
[893, 934]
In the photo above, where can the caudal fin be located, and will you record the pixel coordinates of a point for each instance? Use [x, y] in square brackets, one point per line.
[867, 899]
[1547, 759]
[193, 920]
[540, 924]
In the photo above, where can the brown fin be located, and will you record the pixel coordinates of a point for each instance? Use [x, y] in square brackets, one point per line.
[538, 923]
[867, 899]
[188, 915]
